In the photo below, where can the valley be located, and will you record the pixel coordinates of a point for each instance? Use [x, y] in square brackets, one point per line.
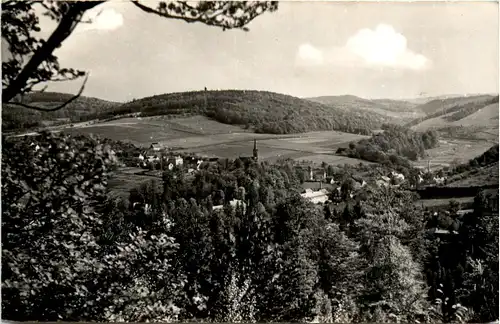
[187, 128]
[182, 162]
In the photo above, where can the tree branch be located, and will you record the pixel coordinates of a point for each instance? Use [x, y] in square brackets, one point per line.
[63, 30]
[54, 108]
[207, 17]
[162, 14]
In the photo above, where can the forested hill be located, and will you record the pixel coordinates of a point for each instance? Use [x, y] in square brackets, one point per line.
[265, 112]
[453, 109]
[83, 108]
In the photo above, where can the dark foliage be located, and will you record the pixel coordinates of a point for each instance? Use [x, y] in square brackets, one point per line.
[82, 109]
[395, 146]
[167, 254]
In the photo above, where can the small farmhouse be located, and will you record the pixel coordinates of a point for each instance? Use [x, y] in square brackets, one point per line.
[155, 147]
[179, 161]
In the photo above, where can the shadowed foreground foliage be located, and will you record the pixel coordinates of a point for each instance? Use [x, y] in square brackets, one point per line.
[70, 253]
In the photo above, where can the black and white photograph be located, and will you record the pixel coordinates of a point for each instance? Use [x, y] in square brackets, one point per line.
[250, 161]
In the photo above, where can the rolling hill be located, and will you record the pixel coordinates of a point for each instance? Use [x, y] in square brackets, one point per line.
[465, 117]
[84, 108]
[423, 100]
[260, 111]
[480, 171]
[400, 110]
[438, 107]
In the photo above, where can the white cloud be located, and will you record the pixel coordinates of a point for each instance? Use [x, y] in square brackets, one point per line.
[379, 47]
[309, 55]
[106, 19]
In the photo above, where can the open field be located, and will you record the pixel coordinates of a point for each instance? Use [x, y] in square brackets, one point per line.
[331, 159]
[314, 146]
[485, 116]
[122, 182]
[453, 151]
[444, 202]
[481, 124]
[204, 136]
[478, 177]
[144, 131]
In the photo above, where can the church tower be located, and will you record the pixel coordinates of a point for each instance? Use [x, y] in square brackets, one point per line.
[255, 151]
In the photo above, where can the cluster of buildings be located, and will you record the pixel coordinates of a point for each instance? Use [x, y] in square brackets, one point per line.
[393, 179]
[158, 154]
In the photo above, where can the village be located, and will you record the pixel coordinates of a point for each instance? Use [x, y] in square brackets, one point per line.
[321, 185]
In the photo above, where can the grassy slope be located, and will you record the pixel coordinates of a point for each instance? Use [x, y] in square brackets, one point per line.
[145, 130]
[444, 104]
[465, 117]
[399, 109]
[485, 116]
[481, 176]
[484, 170]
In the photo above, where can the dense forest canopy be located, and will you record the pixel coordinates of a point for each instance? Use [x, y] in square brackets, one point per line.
[395, 145]
[84, 108]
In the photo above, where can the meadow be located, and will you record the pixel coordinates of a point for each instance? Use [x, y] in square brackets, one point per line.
[453, 151]
[205, 136]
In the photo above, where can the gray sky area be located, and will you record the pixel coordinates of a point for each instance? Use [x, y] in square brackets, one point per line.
[372, 50]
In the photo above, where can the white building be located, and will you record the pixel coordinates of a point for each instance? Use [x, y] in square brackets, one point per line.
[179, 161]
[398, 176]
[233, 203]
[439, 180]
[155, 147]
[316, 197]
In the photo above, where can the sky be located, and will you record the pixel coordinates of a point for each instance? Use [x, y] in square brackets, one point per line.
[367, 49]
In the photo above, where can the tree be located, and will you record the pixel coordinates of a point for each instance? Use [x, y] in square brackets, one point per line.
[394, 289]
[346, 188]
[51, 199]
[31, 61]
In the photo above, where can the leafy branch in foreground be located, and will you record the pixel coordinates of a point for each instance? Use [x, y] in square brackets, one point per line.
[31, 61]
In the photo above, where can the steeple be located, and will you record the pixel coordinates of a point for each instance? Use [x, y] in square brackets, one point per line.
[255, 151]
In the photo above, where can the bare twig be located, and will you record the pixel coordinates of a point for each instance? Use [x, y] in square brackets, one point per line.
[57, 107]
